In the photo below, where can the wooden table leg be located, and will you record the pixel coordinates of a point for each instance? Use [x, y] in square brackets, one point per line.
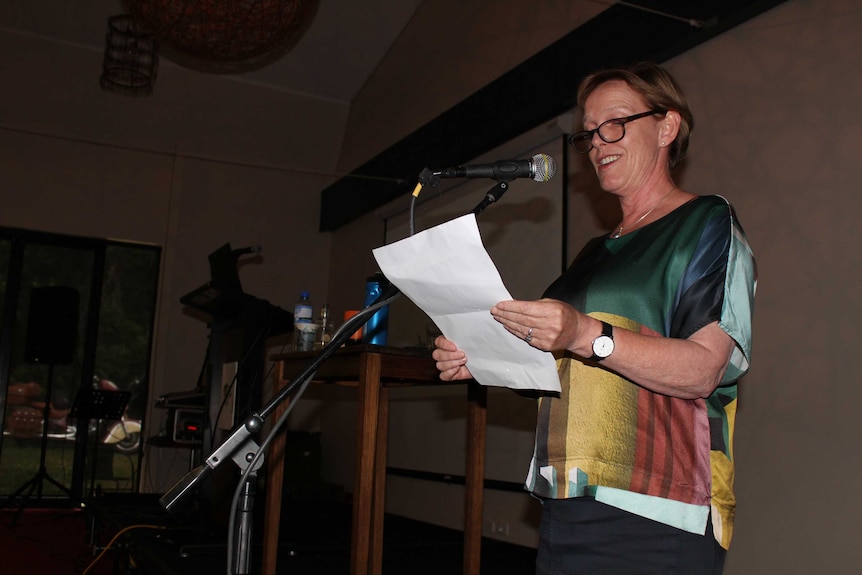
[474, 489]
[370, 479]
[274, 482]
[379, 507]
[366, 444]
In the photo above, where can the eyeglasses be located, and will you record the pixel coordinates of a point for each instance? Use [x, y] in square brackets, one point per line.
[610, 131]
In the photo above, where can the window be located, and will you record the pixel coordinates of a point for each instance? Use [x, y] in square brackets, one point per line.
[77, 321]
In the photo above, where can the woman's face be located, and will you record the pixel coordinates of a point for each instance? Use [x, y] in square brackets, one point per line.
[635, 162]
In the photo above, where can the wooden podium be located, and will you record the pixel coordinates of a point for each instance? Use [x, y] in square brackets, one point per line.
[374, 369]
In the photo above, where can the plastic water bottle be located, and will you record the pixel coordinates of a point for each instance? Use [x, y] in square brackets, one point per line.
[303, 323]
[376, 330]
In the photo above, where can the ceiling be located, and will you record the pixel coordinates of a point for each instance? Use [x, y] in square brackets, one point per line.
[347, 39]
[324, 63]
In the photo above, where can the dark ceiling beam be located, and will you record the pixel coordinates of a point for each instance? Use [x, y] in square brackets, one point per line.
[534, 92]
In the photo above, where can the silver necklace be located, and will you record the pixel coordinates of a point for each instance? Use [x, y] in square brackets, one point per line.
[620, 230]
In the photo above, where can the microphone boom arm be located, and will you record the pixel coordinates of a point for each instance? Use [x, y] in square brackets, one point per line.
[240, 445]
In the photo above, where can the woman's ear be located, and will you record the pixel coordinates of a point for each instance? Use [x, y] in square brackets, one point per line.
[669, 127]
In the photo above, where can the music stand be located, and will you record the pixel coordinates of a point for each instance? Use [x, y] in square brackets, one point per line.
[99, 404]
[35, 483]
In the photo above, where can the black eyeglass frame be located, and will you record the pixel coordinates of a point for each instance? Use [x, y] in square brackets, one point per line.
[587, 135]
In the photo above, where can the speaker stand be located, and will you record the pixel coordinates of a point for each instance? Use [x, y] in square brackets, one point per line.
[42, 475]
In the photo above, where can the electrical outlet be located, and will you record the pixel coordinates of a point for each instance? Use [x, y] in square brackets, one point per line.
[493, 528]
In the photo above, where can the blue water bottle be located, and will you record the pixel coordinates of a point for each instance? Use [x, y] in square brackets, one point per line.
[376, 329]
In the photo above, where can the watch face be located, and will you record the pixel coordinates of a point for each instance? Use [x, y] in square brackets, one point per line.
[603, 346]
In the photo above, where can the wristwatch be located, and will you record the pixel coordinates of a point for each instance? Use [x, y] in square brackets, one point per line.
[603, 346]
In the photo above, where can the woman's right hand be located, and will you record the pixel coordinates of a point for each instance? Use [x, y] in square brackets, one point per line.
[451, 361]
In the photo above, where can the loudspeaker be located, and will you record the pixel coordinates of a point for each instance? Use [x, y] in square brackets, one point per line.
[52, 325]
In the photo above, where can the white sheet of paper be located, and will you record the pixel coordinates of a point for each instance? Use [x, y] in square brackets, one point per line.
[446, 271]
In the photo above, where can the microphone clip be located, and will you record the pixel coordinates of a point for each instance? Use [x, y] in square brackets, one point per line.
[427, 178]
[492, 196]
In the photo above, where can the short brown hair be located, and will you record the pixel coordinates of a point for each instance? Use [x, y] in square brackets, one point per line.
[660, 91]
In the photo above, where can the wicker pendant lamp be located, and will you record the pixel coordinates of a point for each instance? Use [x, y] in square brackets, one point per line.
[223, 36]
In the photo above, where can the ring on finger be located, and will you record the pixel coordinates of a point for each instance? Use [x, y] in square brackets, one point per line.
[529, 337]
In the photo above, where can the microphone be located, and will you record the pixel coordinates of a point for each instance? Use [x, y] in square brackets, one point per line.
[249, 250]
[540, 168]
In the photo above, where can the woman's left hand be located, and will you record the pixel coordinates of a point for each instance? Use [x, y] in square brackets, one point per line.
[547, 324]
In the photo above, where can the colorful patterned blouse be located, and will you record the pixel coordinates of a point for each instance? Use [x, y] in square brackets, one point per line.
[665, 458]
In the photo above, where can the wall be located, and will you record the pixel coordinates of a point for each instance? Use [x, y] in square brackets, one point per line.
[202, 162]
[778, 135]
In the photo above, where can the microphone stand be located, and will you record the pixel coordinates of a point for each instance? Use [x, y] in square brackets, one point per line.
[241, 448]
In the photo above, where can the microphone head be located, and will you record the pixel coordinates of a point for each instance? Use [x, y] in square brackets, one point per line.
[544, 167]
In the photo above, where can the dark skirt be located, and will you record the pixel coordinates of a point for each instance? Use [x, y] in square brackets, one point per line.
[581, 536]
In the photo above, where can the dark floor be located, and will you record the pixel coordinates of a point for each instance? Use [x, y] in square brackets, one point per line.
[47, 541]
[314, 538]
